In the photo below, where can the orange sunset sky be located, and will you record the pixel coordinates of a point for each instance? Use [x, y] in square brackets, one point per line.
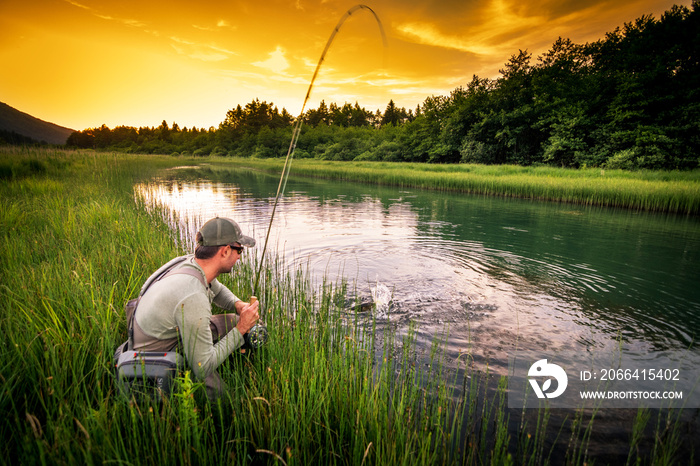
[84, 63]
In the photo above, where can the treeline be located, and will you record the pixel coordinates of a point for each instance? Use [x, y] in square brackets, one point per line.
[629, 100]
[16, 139]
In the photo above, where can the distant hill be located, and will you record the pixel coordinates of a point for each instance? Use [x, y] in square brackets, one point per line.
[14, 121]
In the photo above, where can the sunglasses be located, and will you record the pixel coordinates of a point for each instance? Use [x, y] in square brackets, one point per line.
[238, 249]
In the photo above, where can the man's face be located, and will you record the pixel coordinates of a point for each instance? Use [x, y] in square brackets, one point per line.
[231, 255]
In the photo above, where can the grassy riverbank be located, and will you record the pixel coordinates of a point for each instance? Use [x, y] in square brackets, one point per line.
[74, 246]
[663, 191]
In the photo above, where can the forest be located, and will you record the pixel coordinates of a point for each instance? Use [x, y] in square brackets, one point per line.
[630, 100]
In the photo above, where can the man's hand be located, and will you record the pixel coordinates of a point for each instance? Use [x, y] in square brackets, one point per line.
[248, 317]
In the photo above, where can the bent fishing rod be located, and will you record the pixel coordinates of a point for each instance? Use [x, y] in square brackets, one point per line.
[297, 128]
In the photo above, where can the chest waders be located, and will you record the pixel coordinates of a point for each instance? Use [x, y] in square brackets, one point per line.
[149, 373]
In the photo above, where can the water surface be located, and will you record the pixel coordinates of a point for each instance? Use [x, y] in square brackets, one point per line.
[489, 275]
[496, 273]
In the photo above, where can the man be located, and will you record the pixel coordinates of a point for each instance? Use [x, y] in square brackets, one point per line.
[177, 308]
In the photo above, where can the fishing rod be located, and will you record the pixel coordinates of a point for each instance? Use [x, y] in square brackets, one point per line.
[297, 127]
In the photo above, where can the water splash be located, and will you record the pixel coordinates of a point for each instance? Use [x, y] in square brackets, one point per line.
[382, 297]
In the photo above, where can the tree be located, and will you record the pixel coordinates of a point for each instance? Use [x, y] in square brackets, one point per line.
[255, 116]
[81, 139]
[359, 117]
[164, 131]
[393, 115]
[318, 117]
[566, 146]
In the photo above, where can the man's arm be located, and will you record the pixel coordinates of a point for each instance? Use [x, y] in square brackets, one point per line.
[224, 298]
[193, 316]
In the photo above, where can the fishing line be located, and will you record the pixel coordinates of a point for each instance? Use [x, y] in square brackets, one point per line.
[297, 127]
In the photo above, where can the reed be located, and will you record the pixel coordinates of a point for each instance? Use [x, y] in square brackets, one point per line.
[75, 245]
[663, 191]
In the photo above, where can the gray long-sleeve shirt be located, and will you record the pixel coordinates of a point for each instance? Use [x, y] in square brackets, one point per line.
[181, 303]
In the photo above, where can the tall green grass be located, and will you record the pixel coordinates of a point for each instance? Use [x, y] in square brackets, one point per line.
[75, 244]
[663, 191]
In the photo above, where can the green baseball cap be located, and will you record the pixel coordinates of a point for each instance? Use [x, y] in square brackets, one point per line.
[220, 231]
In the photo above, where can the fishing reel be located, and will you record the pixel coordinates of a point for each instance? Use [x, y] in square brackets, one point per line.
[256, 337]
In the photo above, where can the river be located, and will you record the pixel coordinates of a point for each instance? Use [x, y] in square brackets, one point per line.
[495, 274]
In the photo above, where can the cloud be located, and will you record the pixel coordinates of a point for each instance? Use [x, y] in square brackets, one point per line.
[220, 24]
[428, 34]
[494, 29]
[277, 62]
[204, 52]
[79, 5]
[126, 21]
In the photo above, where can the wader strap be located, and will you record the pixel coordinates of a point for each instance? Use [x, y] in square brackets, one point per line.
[133, 304]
